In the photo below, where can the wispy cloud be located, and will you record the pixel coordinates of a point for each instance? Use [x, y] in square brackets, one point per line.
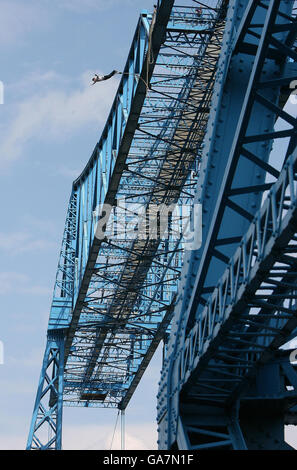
[83, 437]
[12, 281]
[23, 242]
[56, 114]
[19, 18]
[37, 79]
[30, 359]
[38, 224]
[9, 280]
[33, 234]
[137, 437]
[70, 173]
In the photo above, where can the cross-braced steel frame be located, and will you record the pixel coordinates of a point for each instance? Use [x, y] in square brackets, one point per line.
[225, 382]
[115, 292]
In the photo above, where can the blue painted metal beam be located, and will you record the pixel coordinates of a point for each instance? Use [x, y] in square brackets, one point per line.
[129, 101]
[233, 162]
[228, 303]
[165, 178]
[46, 426]
[113, 296]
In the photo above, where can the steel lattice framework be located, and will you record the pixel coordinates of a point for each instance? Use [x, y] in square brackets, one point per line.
[114, 292]
[226, 383]
[200, 103]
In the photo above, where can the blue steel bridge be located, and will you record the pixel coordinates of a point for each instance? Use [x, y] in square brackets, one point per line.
[204, 117]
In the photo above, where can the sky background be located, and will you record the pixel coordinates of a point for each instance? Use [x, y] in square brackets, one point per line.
[50, 122]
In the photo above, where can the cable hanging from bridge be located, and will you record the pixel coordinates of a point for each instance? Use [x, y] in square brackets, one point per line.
[114, 430]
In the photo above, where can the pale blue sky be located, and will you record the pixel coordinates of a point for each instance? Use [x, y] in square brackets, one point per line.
[50, 121]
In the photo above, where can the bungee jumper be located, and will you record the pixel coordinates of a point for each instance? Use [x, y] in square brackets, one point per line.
[101, 78]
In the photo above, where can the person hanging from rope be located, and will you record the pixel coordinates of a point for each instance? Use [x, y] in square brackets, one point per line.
[101, 78]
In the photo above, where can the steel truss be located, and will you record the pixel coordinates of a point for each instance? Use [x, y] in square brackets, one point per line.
[224, 376]
[46, 429]
[249, 316]
[114, 292]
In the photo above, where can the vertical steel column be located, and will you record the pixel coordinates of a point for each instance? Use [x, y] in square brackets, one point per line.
[46, 426]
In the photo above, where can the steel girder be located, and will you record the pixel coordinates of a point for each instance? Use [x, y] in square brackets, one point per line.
[163, 180]
[250, 315]
[113, 296]
[156, 169]
[236, 172]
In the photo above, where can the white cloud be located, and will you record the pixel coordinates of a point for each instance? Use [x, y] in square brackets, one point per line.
[23, 242]
[12, 441]
[38, 224]
[56, 114]
[9, 280]
[84, 437]
[68, 172]
[30, 358]
[133, 441]
[32, 81]
[36, 290]
[12, 281]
